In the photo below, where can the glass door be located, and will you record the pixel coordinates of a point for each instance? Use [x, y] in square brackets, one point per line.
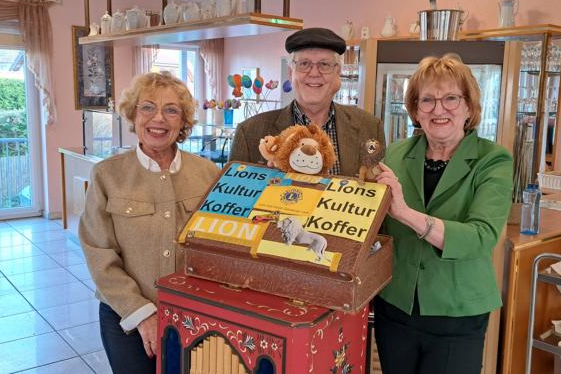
[19, 143]
[391, 85]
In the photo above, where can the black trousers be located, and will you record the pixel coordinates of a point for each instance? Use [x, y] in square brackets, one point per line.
[125, 352]
[426, 344]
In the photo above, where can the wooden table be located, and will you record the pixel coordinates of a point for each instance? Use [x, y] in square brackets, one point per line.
[520, 252]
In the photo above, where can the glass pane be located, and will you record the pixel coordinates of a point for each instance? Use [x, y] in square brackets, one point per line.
[391, 86]
[15, 171]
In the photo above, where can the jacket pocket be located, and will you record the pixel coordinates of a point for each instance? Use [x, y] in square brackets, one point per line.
[192, 203]
[475, 278]
[129, 208]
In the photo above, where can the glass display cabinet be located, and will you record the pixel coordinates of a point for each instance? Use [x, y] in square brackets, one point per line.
[348, 93]
[386, 77]
[536, 148]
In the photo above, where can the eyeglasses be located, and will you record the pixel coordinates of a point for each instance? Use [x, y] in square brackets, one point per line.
[305, 66]
[449, 102]
[168, 111]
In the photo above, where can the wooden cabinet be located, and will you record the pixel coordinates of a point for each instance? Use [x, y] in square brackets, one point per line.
[519, 256]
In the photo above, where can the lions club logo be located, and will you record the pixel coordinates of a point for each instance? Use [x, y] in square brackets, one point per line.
[291, 196]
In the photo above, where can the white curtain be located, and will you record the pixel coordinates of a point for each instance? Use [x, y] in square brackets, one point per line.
[144, 57]
[32, 18]
[212, 53]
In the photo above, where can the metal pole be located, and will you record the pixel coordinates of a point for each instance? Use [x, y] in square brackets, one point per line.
[109, 7]
[257, 6]
[286, 8]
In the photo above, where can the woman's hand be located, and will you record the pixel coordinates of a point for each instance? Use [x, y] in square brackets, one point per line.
[148, 330]
[398, 207]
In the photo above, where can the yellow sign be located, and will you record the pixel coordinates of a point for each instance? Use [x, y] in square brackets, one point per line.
[288, 199]
[297, 252]
[346, 209]
[227, 229]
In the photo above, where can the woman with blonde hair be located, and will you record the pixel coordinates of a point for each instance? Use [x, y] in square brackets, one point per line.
[450, 199]
[136, 204]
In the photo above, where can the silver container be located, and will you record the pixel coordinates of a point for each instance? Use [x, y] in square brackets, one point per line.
[441, 24]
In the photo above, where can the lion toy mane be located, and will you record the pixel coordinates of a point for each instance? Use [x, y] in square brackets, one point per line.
[371, 153]
[301, 149]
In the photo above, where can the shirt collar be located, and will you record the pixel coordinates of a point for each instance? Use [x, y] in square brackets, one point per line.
[153, 166]
[300, 117]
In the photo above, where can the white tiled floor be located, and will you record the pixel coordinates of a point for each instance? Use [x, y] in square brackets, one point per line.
[48, 312]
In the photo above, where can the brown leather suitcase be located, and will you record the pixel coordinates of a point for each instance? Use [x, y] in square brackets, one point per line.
[245, 234]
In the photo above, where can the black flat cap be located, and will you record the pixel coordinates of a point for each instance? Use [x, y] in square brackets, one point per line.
[315, 37]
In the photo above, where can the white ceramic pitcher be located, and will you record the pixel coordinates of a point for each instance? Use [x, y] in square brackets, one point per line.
[507, 11]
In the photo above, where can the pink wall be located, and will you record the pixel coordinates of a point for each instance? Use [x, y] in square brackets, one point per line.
[265, 51]
[262, 51]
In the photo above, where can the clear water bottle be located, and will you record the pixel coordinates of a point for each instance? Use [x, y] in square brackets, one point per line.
[530, 220]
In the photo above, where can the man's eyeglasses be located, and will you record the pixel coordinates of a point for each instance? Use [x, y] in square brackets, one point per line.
[305, 66]
[168, 111]
[449, 102]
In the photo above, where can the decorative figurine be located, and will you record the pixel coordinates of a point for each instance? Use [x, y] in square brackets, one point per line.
[371, 152]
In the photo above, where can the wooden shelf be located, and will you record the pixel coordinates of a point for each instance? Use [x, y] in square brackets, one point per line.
[524, 33]
[221, 27]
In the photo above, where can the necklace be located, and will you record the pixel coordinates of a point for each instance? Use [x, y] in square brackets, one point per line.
[435, 165]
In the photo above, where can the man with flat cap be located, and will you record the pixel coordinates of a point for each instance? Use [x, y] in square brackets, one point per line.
[315, 66]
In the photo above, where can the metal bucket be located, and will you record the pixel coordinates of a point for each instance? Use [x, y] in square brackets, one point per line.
[441, 24]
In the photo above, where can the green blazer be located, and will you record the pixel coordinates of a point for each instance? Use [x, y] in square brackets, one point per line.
[473, 198]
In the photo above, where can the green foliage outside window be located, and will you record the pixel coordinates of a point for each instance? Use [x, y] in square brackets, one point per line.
[13, 116]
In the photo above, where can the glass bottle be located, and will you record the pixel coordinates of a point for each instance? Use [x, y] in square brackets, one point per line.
[530, 215]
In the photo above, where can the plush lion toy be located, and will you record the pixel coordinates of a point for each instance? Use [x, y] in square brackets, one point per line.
[302, 149]
[371, 152]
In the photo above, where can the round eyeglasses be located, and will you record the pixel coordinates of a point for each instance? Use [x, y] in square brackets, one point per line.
[448, 102]
[168, 111]
[305, 66]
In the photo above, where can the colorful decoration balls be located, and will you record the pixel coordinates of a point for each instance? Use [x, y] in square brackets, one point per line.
[246, 81]
[237, 80]
[257, 90]
[237, 92]
[258, 82]
[287, 86]
[231, 81]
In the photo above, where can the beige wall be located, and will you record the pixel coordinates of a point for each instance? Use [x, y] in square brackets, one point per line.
[262, 51]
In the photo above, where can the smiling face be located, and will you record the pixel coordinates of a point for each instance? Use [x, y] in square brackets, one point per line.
[158, 132]
[315, 89]
[442, 126]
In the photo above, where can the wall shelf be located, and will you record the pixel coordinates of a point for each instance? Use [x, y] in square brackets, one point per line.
[220, 27]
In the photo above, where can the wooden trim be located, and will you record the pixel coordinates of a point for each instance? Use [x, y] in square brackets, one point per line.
[506, 129]
[63, 187]
[538, 144]
[367, 74]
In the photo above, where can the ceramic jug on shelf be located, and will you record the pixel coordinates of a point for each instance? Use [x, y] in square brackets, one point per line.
[105, 23]
[131, 19]
[223, 8]
[94, 29]
[507, 11]
[208, 9]
[348, 30]
[414, 28]
[118, 22]
[191, 11]
[389, 27]
[172, 13]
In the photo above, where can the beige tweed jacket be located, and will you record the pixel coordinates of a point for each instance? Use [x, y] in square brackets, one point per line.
[130, 222]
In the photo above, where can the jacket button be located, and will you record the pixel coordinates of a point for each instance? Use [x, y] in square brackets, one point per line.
[163, 177]
[167, 253]
[129, 210]
[167, 214]
[422, 267]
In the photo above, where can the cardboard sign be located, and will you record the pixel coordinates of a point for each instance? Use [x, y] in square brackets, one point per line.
[304, 218]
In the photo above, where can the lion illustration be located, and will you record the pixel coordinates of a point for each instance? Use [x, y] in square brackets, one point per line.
[293, 232]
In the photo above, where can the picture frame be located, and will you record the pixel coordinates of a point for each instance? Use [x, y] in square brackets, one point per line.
[93, 72]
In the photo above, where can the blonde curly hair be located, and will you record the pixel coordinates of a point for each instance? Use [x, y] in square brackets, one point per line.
[151, 82]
